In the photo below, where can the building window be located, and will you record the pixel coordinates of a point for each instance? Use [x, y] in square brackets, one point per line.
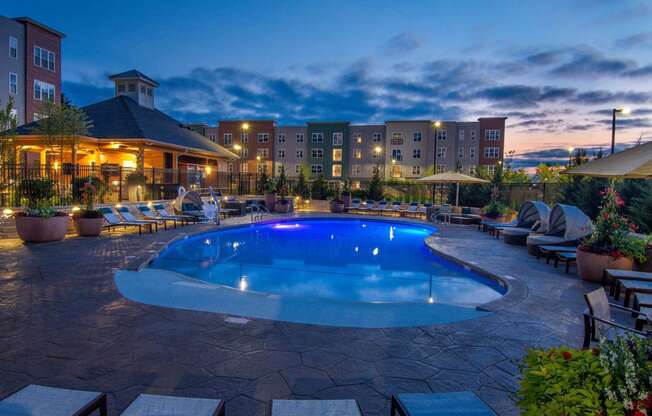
[299, 137]
[491, 152]
[356, 169]
[396, 171]
[13, 47]
[281, 153]
[441, 152]
[211, 137]
[132, 88]
[461, 135]
[337, 171]
[281, 138]
[356, 185]
[318, 137]
[245, 152]
[417, 136]
[460, 152]
[142, 89]
[471, 169]
[441, 168]
[299, 153]
[43, 91]
[13, 83]
[229, 167]
[121, 87]
[375, 169]
[357, 153]
[149, 92]
[261, 167]
[244, 137]
[316, 168]
[263, 137]
[491, 169]
[297, 169]
[416, 170]
[492, 134]
[378, 137]
[416, 154]
[337, 155]
[338, 139]
[396, 154]
[13, 113]
[228, 138]
[473, 134]
[317, 153]
[43, 58]
[357, 138]
[244, 167]
[397, 139]
[376, 154]
[471, 152]
[262, 153]
[442, 134]
[279, 169]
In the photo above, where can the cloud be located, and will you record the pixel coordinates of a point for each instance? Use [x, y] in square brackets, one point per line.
[638, 40]
[605, 97]
[645, 71]
[401, 44]
[592, 64]
[524, 95]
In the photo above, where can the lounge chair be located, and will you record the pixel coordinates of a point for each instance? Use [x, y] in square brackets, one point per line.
[411, 210]
[366, 206]
[160, 208]
[156, 405]
[380, 208]
[113, 221]
[36, 400]
[355, 205]
[517, 235]
[423, 210]
[151, 215]
[453, 403]
[315, 408]
[598, 320]
[566, 225]
[616, 276]
[129, 217]
[394, 208]
[528, 214]
[551, 251]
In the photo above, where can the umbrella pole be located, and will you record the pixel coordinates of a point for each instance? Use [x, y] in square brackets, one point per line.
[433, 194]
[457, 194]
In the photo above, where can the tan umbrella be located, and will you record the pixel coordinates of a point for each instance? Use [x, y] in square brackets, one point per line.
[633, 163]
[451, 177]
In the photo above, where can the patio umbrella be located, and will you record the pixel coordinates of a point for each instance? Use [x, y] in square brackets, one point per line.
[451, 177]
[632, 163]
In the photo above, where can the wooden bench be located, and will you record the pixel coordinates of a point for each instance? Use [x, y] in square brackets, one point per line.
[631, 287]
[617, 276]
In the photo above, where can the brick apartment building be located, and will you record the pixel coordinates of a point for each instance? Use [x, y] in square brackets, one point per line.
[252, 140]
[30, 65]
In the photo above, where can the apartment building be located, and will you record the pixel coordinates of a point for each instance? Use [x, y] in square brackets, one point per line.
[291, 150]
[366, 152]
[30, 65]
[328, 149]
[210, 132]
[252, 140]
[406, 146]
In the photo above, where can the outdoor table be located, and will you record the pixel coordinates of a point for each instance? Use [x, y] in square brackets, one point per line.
[439, 404]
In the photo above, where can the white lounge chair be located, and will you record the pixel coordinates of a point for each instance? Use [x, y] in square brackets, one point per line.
[113, 221]
[411, 210]
[160, 208]
[36, 400]
[129, 217]
[355, 205]
[380, 208]
[367, 206]
[151, 215]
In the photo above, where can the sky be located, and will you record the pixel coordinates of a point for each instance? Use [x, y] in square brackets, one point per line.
[554, 68]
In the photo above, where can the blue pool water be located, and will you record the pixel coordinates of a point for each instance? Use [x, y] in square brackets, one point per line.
[337, 259]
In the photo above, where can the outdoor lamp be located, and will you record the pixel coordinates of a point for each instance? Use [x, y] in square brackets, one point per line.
[245, 126]
[625, 111]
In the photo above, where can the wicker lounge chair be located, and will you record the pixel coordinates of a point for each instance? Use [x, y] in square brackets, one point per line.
[453, 403]
[598, 320]
[155, 405]
[113, 221]
[566, 225]
[129, 217]
[315, 408]
[151, 215]
[36, 400]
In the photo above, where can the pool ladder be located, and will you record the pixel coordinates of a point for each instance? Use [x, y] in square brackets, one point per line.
[258, 212]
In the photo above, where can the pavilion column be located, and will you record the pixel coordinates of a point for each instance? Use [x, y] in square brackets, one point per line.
[140, 159]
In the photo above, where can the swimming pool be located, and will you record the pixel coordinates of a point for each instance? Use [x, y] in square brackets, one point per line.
[345, 272]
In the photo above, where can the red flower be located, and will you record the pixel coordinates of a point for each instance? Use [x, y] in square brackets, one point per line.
[595, 351]
[619, 201]
[567, 355]
[633, 227]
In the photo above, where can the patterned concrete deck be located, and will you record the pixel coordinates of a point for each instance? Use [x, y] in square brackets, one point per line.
[64, 324]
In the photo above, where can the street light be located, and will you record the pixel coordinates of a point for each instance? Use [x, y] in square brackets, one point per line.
[570, 155]
[245, 126]
[436, 125]
[625, 111]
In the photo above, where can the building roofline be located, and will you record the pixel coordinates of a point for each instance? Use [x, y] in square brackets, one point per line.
[134, 74]
[328, 122]
[246, 120]
[25, 19]
[409, 121]
[492, 118]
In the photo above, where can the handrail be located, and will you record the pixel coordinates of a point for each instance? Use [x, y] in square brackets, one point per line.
[258, 212]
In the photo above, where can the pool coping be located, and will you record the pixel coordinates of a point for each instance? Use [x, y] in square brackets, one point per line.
[516, 289]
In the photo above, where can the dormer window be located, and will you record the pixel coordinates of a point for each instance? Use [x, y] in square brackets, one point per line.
[121, 87]
[132, 87]
[142, 89]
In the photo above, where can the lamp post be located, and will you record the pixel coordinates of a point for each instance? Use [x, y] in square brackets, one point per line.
[624, 111]
[377, 151]
[570, 155]
[436, 125]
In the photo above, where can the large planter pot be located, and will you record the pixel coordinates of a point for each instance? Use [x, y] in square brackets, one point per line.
[337, 207]
[591, 266]
[270, 200]
[346, 198]
[88, 227]
[282, 207]
[40, 230]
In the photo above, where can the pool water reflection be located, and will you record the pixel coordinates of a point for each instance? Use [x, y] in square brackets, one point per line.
[337, 259]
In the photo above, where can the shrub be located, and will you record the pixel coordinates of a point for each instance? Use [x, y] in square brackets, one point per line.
[302, 189]
[375, 188]
[495, 209]
[319, 189]
[37, 194]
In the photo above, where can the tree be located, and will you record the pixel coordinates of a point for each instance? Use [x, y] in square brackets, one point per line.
[516, 176]
[319, 189]
[547, 173]
[375, 188]
[281, 181]
[302, 189]
[8, 124]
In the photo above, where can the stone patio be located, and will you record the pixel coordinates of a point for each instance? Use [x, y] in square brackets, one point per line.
[64, 324]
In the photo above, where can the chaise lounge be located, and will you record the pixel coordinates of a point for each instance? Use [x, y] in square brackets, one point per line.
[567, 224]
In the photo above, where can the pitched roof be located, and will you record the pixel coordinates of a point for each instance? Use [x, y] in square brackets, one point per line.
[133, 74]
[122, 118]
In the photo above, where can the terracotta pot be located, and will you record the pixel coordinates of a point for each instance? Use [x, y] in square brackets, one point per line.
[590, 266]
[270, 200]
[337, 207]
[88, 227]
[40, 230]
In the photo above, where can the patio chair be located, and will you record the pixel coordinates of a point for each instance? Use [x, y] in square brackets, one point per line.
[568, 258]
[160, 208]
[393, 208]
[113, 221]
[355, 205]
[423, 210]
[128, 216]
[36, 400]
[453, 403]
[315, 407]
[631, 287]
[156, 405]
[598, 320]
[151, 215]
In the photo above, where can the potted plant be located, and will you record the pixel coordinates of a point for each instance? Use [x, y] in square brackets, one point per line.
[88, 222]
[346, 194]
[269, 189]
[40, 222]
[612, 244]
[496, 211]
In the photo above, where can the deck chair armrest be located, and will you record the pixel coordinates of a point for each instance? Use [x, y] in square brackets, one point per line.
[616, 325]
[624, 308]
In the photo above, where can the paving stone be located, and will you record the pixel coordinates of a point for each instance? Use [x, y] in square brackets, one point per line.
[306, 381]
[268, 387]
[402, 367]
[451, 380]
[369, 399]
[352, 371]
